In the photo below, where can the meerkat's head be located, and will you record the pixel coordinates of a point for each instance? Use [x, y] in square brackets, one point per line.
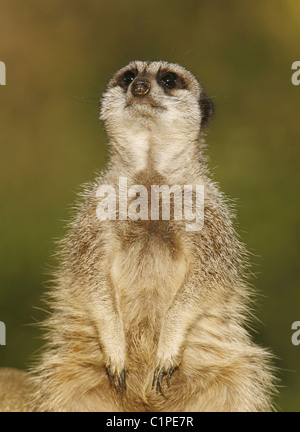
[160, 97]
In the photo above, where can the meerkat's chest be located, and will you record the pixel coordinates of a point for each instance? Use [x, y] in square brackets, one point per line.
[149, 264]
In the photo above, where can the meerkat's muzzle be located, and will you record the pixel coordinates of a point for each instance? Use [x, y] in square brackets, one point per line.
[140, 87]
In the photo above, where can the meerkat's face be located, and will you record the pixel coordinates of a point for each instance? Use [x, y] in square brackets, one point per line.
[156, 96]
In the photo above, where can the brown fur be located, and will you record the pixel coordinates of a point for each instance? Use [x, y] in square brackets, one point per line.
[149, 295]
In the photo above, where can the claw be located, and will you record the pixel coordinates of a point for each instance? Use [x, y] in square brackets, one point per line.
[170, 371]
[154, 377]
[159, 374]
[123, 381]
[119, 380]
[110, 374]
[160, 379]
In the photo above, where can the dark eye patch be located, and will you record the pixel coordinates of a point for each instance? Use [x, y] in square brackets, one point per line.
[126, 78]
[170, 80]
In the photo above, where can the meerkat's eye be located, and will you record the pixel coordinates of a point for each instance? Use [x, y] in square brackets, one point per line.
[169, 80]
[125, 79]
[128, 77]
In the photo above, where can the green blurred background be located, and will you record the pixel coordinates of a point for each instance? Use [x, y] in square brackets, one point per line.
[59, 56]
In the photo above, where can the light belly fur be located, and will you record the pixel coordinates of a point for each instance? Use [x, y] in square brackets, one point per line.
[147, 282]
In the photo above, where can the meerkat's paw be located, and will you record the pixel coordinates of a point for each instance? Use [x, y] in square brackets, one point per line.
[168, 352]
[116, 364]
[164, 369]
[117, 376]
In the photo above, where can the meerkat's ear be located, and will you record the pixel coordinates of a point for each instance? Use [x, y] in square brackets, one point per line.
[207, 109]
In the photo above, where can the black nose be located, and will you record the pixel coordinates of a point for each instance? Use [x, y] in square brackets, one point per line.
[140, 87]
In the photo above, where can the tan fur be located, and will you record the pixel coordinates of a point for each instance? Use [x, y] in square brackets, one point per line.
[14, 390]
[150, 295]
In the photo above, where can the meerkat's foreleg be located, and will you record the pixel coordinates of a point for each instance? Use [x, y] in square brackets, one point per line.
[107, 316]
[182, 312]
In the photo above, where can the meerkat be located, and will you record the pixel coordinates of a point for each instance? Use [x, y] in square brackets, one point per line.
[147, 315]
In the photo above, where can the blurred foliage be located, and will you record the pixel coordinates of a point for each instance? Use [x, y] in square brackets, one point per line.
[59, 56]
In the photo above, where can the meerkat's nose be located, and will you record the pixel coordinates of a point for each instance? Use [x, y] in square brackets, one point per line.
[140, 87]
